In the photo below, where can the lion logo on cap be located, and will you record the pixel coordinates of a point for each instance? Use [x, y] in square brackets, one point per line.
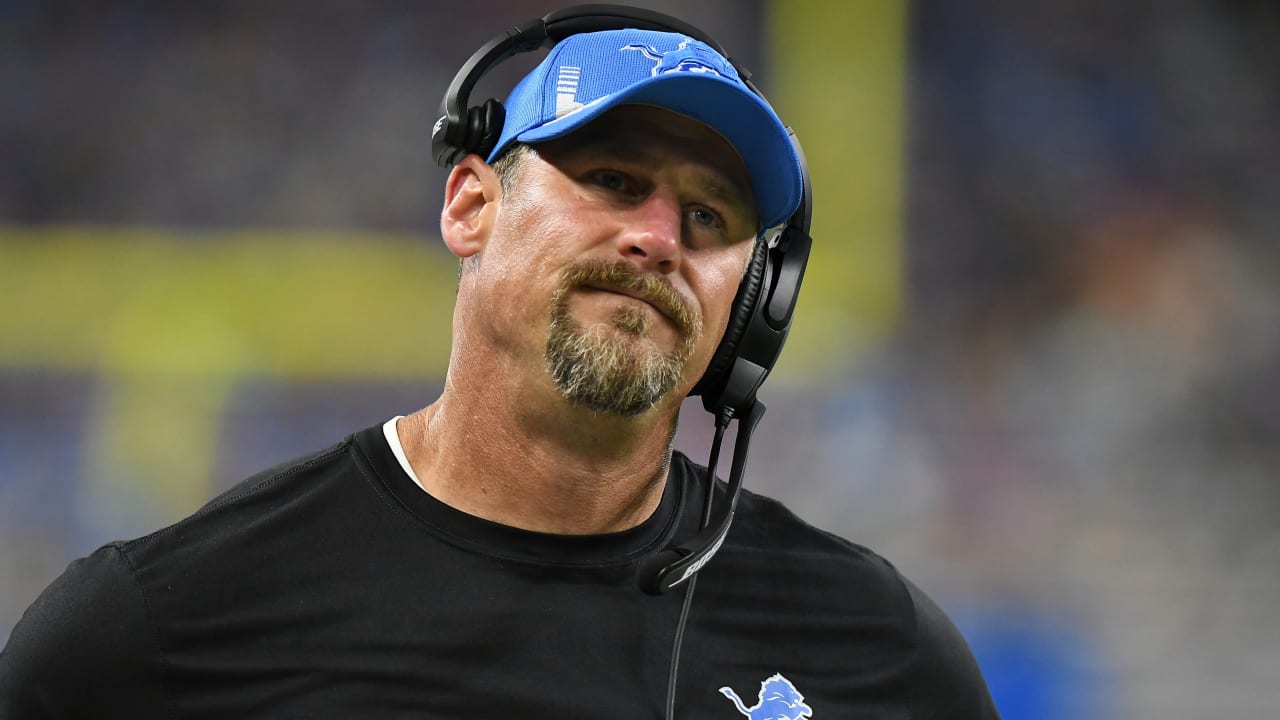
[689, 56]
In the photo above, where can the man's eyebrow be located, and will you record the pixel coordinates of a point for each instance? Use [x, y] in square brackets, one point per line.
[715, 183]
[730, 194]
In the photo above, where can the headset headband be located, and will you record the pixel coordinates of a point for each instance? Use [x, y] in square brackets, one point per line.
[550, 29]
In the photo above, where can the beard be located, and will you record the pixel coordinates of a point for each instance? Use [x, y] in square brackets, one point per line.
[613, 367]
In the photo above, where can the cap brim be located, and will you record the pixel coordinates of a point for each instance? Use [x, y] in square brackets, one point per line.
[743, 118]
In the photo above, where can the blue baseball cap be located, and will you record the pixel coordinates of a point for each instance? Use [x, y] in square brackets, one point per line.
[587, 74]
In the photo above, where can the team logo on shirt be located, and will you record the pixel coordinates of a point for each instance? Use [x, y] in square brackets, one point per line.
[778, 700]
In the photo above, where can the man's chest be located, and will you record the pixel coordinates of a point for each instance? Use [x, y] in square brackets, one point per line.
[489, 651]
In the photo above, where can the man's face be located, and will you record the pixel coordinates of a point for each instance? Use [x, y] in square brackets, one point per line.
[629, 238]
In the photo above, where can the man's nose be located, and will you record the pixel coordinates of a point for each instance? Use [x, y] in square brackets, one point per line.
[651, 237]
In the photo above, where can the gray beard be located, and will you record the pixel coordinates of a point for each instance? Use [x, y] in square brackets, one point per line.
[613, 368]
[609, 369]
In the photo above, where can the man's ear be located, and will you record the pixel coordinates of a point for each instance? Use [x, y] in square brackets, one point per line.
[471, 197]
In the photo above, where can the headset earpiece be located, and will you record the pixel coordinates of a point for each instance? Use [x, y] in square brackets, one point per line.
[713, 385]
[484, 127]
[451, 140]
[445, 143]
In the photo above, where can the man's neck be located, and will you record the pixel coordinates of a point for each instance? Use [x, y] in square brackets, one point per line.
[560, 469]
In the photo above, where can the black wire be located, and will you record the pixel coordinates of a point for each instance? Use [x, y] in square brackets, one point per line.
[675, 647]
[722, 423]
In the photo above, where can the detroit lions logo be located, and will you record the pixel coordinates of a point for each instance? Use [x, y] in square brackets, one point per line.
[778, 700]
[689, 56]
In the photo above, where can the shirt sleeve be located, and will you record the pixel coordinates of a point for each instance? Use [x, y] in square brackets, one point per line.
[84, 649]
[948, 682]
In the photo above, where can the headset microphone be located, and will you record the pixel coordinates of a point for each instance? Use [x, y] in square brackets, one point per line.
[665, 570]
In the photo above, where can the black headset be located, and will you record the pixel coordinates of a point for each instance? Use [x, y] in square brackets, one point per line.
[761, 315]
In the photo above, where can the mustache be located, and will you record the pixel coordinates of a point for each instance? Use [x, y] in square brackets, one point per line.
[653, 289]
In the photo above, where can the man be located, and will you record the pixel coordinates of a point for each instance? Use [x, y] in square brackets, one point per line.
[478, 558]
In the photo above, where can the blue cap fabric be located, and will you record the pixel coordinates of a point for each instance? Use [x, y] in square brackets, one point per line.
[589, 73]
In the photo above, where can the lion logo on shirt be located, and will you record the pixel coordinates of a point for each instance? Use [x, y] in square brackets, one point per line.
[778, 700]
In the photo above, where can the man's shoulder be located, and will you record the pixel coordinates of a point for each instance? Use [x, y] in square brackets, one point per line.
[270, 519]
[317, 461]
[87, 633]
[218, 532]
[768, 542]
[262, 492]
[874, 622]
[949, 681]
[108, 616]
[766, 525]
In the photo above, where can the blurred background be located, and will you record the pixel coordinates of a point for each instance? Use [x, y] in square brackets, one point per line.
[1036, 362]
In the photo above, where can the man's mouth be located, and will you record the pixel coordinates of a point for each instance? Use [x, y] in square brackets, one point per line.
[649, 300]
[620, 278]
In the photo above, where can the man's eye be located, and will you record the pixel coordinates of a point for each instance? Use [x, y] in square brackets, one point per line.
[704, 217]
[612, 180]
